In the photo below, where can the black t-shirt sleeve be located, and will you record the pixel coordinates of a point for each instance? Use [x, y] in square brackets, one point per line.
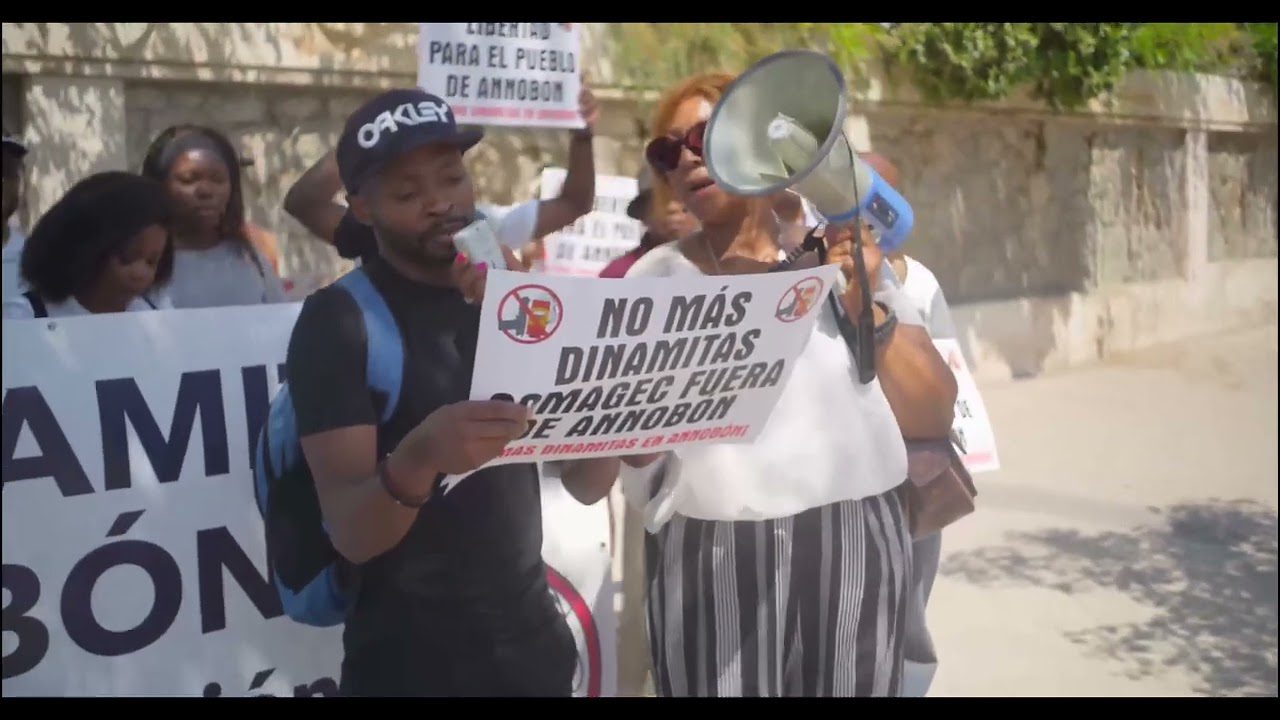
[326, 365]
[355, 240]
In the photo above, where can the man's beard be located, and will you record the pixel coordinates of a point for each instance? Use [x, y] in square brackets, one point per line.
[427, 250]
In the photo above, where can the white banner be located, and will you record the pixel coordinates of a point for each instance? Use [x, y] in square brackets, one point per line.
[641, 365]
[134, 557]
[595, 239]
[971, 423]
[521, 74]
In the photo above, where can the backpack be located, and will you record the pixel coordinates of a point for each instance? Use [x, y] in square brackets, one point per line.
[316, 585]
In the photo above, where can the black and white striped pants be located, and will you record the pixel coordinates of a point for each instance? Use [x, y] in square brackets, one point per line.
[809, 605]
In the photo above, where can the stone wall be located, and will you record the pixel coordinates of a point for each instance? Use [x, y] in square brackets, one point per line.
[1242, 195]
[12, 99]
[1168, 173]
[74, 127]
[998, 206]
[1138, 197]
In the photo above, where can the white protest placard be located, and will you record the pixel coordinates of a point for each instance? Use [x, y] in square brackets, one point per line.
[597, 238]
[640, 365]
[515, 74]
[134, 552]
[971, 423]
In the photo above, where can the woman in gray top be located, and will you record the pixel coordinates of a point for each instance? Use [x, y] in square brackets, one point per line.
[215, 264]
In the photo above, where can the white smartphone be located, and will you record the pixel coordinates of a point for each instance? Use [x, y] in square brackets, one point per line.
[480, 244]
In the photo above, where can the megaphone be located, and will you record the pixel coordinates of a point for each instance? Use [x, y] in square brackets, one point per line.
[780, 125]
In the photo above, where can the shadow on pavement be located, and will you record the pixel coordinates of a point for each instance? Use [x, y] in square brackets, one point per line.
[1209, 573]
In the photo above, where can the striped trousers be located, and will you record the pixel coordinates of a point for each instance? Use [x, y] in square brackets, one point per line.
[810, 605]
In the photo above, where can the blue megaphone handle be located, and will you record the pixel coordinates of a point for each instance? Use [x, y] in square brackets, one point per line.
[884, 209]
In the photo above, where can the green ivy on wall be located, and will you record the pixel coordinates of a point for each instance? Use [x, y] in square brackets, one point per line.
[654, 55]
[1068, 64]
[1065, 64]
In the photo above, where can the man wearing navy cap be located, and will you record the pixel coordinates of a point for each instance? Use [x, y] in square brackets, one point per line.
[310, 200]
[452, 594]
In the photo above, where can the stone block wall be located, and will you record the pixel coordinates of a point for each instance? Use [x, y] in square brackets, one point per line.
[998, 205]
[1137, 192]
[1242, 195]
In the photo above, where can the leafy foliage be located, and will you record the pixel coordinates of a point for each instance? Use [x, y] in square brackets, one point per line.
[1066, 64]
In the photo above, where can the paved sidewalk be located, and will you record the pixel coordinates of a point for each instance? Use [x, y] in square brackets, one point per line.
[1128, 545]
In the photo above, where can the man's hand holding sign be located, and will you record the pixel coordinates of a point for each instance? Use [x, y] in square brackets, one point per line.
[467, 436]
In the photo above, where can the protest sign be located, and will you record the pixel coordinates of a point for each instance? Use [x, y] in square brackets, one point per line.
[515, 74]
[595, 239]
[134, 553]
[972, 424]
[641, 365]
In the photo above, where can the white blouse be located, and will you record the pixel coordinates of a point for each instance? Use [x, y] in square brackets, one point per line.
[829, 439]
[18, 307]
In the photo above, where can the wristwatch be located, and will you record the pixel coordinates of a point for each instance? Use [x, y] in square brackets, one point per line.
[884, 330]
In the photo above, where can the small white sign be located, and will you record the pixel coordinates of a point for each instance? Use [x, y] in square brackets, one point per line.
[971, 423]
[597, 238]
[513, 74]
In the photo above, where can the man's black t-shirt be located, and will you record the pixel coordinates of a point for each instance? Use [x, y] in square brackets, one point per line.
[461, 605]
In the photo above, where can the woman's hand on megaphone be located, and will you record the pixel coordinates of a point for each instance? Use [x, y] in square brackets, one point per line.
[789, 209]
[841, 242]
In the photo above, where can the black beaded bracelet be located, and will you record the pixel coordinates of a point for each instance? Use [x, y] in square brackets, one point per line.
[384, 476]
[885, 329]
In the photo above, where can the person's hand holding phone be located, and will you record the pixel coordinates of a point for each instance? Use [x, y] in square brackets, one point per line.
[470, 277]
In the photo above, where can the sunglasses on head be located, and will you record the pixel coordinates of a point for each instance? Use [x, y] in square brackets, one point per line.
[663, 153]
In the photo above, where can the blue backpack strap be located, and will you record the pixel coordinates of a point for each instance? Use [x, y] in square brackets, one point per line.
[384, 345]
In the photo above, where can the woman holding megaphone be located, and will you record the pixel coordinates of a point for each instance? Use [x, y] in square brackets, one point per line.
[783, 567]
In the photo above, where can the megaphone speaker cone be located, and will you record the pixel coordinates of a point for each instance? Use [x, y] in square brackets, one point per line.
[806, 89]
[780, 126]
